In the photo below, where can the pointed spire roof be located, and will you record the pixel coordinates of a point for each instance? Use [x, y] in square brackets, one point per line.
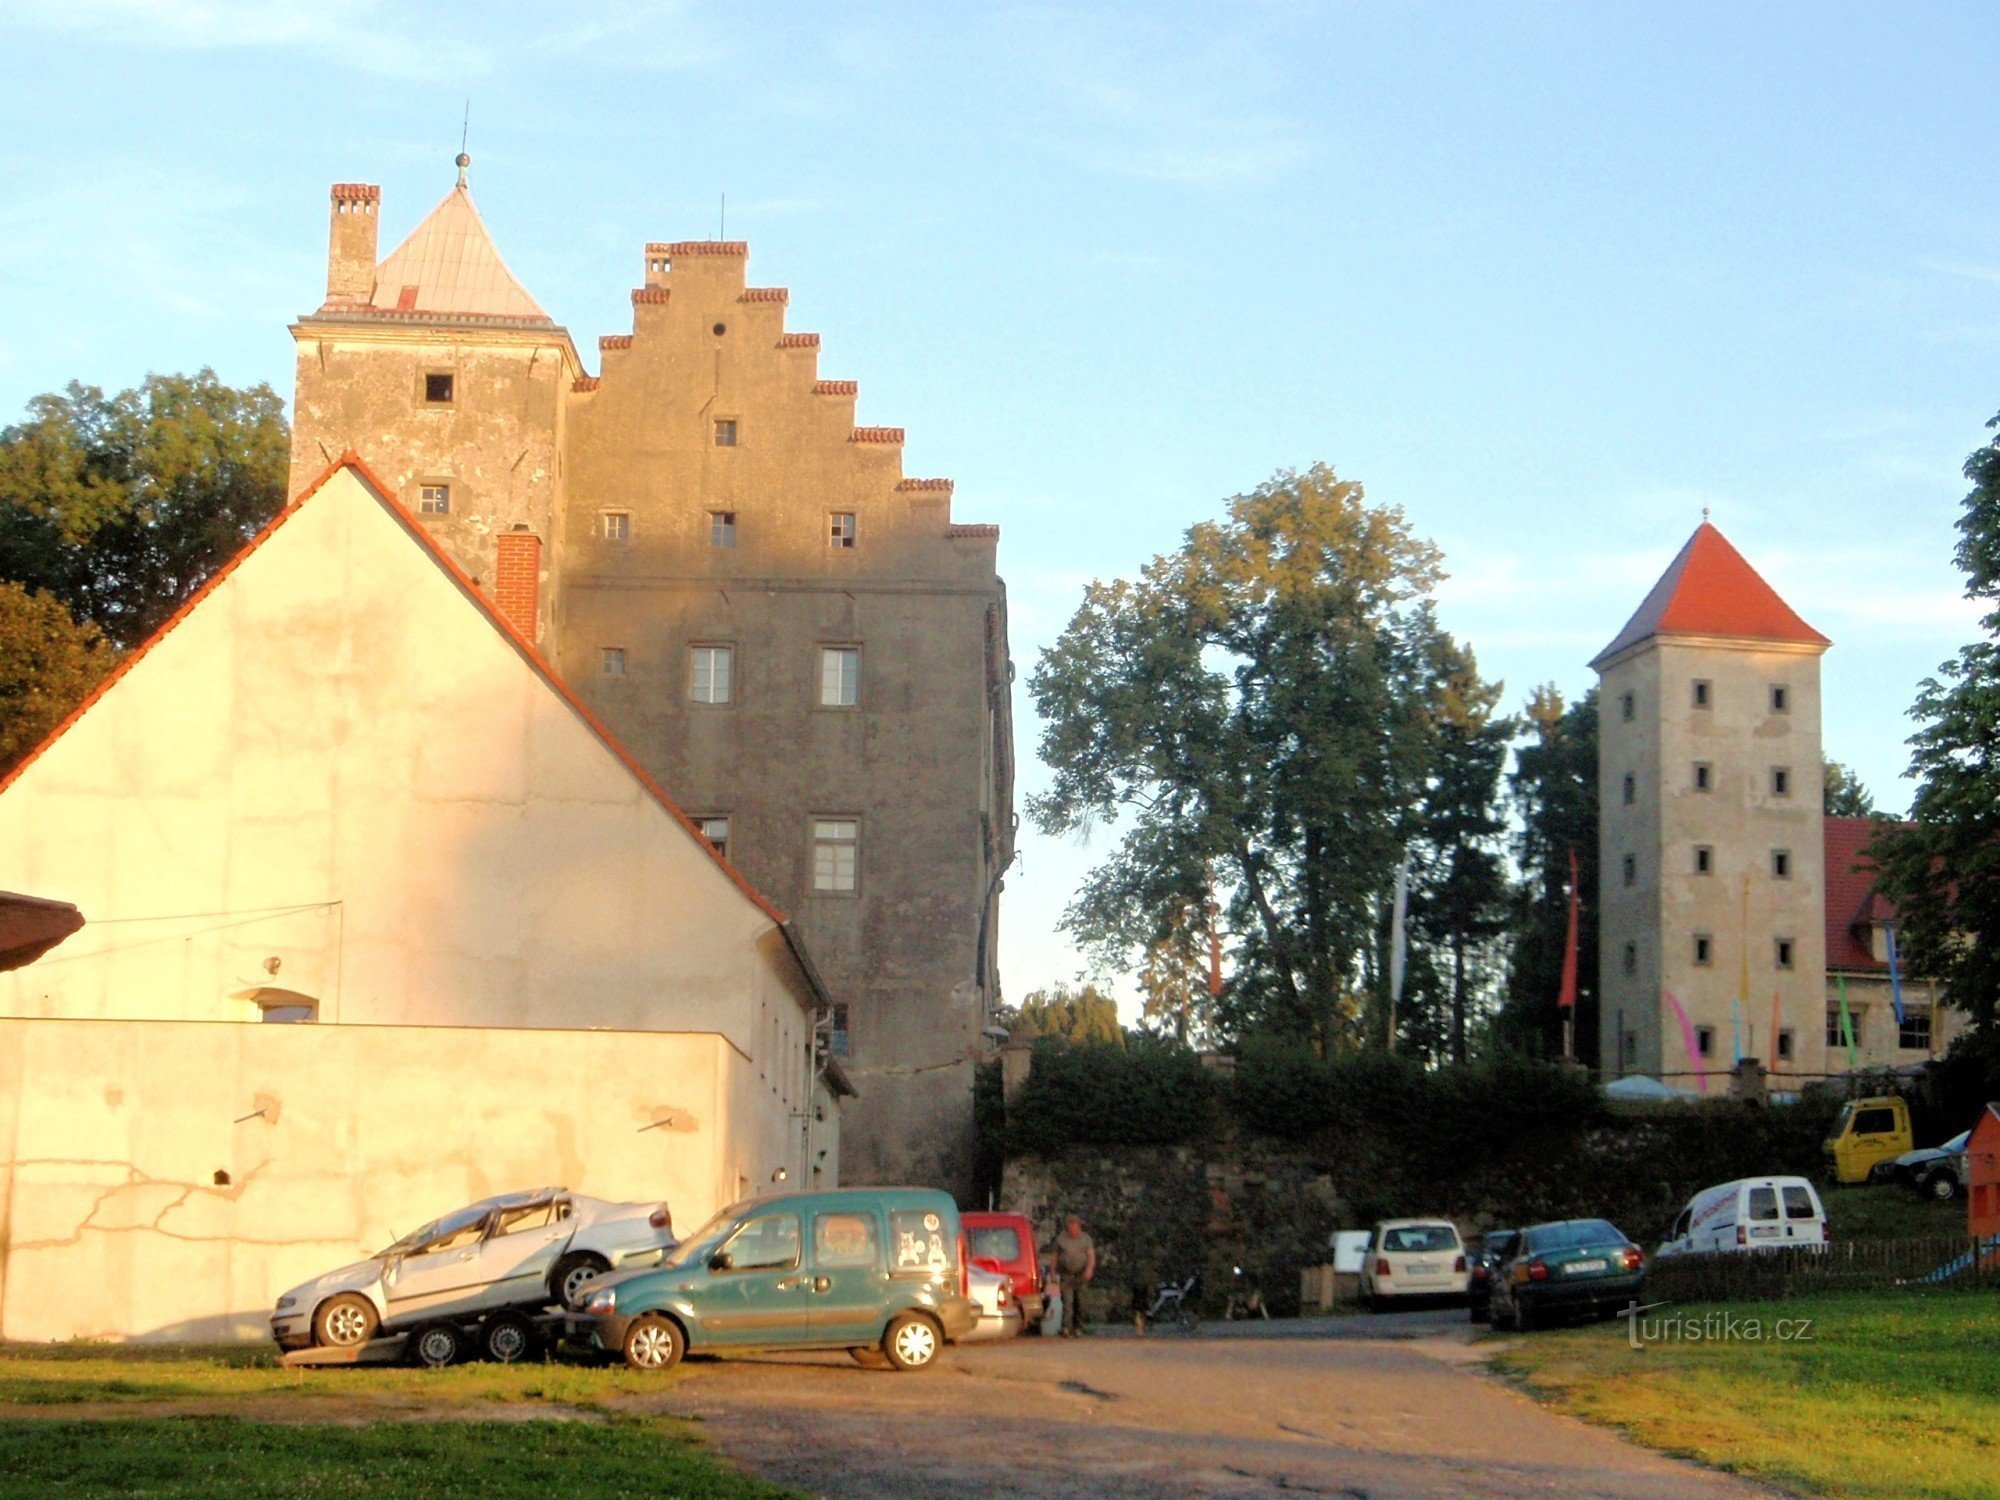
[1709, 590]
[448, 266]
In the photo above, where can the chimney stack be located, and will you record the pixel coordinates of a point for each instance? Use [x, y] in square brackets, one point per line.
[517, 579]
[350, 251]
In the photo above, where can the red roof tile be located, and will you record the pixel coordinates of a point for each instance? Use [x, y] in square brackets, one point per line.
[836, 388]
[1851, 898]
[798, 341]
[876, 435]
[924, 484]
[973, 531]
[650, 294]
[357, 192]
[615, 341]
[701, 247]
[584, 383]
[1710, 590]
[766, 294]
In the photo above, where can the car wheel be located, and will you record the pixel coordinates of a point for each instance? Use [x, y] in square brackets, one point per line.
[508, 1339]
[571, 1272]
[1942, 1186]
[345, 1322]
[654, 1342]
[436, 1345]
[911, 1342]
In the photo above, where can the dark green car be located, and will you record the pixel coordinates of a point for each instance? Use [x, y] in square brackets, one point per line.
[879, 1271]
[1576, 1267]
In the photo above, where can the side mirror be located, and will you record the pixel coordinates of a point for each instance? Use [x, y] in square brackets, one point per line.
[719, 1261]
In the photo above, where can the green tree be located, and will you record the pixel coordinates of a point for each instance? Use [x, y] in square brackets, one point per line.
[1846, 797]
[1943, 868]
[48, 665]
[1074, 1014]
[1554, 790]
[123, 506]
[1260, 704]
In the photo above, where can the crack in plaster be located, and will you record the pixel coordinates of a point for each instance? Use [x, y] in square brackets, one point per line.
[137, 1179]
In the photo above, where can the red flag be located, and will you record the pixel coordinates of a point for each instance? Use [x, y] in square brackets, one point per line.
[1214, 945]
[1567, 999]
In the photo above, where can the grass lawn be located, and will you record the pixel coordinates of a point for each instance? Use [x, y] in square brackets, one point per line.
[1893, 1395]
[192, 1421]
[1890, 1212]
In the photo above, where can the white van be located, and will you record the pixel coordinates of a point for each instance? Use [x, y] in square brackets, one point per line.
[1753, 1213]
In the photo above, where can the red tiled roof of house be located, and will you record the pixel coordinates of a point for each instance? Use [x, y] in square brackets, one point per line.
[1708, 589]
[1851, 898]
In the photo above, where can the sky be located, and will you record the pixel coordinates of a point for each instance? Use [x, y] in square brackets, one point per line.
[1550, 278]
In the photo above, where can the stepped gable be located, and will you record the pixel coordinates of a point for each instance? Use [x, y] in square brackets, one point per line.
[1710, 590]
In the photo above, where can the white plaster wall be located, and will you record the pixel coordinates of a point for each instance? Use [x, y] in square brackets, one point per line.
[111, 1133]
[337, 761]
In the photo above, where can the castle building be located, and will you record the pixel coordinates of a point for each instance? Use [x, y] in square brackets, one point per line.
[1734, 914]
[791, 635]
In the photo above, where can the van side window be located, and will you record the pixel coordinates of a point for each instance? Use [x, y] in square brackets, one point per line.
[1763, 1203]
[1680, 1229]
[1799, 1204]
[1877, 1121]
[770, 1243]
[841, 1240]
[916, 1237]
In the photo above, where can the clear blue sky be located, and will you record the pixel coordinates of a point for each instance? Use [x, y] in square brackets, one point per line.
[1551, 281]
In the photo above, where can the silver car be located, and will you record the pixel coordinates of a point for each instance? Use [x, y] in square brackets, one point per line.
[518, 1251]
[999, 1314]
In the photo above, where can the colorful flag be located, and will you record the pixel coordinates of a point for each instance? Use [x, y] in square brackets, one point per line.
[1399, 942]
[1688, 1041]
[1847, 1024]
[1566, 999]
[1895, 975]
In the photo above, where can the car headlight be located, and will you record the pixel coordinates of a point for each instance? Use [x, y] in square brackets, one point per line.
[600, 1303]
[286, 1302]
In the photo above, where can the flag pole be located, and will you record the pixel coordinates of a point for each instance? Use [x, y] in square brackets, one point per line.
[1566, 998]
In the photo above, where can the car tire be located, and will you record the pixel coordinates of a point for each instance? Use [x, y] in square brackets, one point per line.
[436, 1346]
[571, 1272]
[508, 1339]
[912, 1342]
[1943, 1186]
[654, 1342]
[345, 1322]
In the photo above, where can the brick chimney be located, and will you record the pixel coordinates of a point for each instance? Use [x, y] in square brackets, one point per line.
[350, 250]
[517, 579]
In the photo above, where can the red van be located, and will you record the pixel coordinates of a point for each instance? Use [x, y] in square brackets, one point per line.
[1006, 1243]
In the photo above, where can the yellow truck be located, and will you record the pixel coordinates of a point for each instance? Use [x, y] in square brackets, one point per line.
[1870, 1133]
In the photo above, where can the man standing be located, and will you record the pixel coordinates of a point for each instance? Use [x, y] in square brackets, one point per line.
[1076, 1263]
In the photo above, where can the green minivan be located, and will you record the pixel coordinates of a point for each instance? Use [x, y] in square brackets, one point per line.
[879, 1271]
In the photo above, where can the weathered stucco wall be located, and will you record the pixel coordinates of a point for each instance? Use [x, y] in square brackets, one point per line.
[112, 1133]
[339, 763]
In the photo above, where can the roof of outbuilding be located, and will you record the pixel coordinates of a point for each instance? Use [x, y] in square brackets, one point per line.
[1709, 590]
[1852, 902]
[448, 265]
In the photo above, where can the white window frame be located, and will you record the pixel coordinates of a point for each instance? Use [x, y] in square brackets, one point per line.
[836, 854]
[611, 661]
[703, 658]
[835, 678]
[722, 530]
[614, 526]
[716, 831]
[441, 506]
[843, 530]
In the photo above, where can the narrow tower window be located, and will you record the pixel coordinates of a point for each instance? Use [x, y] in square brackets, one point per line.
[1781, 781]
[1701, 692]
[840, 535]
[1627, 707]
[1781, 699]
[839, 676]
[1704, 860]
[1785, 1045]
[439, 388]
[1781, 864]
[1631, 870]
[1631, 958]
[1631, 789]
[722, 528]
[1704, 1040]
[1784, 952]
[1704, 949]
[1702, 776]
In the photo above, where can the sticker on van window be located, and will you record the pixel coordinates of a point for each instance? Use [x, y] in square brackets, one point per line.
[919, 1241]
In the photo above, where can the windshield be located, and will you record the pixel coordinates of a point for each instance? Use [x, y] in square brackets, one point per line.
[1580, 1234]
[697, 1246]
[1957, 1142]
[437, 1228]
[1417, 1238]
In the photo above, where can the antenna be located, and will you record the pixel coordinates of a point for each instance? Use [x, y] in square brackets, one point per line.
[464, 133]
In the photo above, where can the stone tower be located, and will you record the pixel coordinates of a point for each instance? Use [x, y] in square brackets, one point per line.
[440, 369]
[1710, 827]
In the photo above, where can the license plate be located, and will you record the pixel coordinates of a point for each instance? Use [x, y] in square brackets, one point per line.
[1422, 1268]
[1576, 1267]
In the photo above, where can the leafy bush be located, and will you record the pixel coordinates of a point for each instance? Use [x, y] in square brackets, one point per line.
[1150, 1092]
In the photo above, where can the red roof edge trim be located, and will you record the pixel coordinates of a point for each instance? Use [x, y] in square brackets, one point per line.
[385, 494]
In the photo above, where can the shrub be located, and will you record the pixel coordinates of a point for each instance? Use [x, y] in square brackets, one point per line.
[1150, 1092]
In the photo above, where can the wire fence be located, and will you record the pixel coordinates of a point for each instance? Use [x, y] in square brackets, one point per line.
[1957, 1261]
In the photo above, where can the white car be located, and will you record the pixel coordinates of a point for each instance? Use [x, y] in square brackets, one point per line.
[1413, 1258]
[999, 1313]
[516, 1252]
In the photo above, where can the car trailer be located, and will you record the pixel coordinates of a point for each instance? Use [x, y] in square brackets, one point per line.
[506, 1337]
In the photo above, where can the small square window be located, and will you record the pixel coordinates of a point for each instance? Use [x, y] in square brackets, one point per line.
[1781, 698]
[836, 850]
[1914, 1035]
[1631, 867]
[725, 432]
[439, 388]
[613, 661]
[1785, 1045]
[1701, 692]
[713, 671]
[615, 525]
[1631, 959]
[1784, 951]
[1703, 776]
[1704, 949]
[1781, 782]
[1704, 1040]
[840, 531]
[1704, 860]
[434, 500]
[1631, 790]
[839, 676]
[1781, 864]
[716, 831]
[837, 1034]
[722, 528]
[1628, 707]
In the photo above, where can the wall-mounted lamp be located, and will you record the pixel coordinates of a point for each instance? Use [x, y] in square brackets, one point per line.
[780, 1175]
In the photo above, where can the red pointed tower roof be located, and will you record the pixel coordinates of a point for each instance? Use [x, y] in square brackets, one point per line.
[1709, 590]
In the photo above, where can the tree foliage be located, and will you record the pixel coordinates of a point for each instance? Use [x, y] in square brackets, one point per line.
[1943, 869]
[1260, 708]
[1846, 797]
[122, 506]
[1554, 791]
[48, 665]
[1071, 1013]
